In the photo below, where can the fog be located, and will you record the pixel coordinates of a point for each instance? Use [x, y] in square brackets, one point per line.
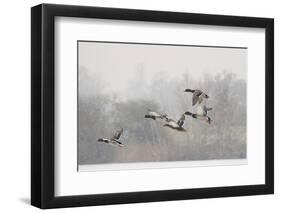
[142, 83]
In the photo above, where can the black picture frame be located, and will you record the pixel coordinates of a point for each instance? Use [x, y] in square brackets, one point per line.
[43, 102]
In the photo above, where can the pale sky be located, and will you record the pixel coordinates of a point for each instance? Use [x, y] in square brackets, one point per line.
[118, 65]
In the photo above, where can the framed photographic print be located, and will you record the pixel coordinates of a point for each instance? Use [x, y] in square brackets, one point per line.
[139, 106]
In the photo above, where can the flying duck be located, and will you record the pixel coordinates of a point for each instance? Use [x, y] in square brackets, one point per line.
[201, 114]
[154, 115]
[115, 139]
[198, 96]
[176, 125]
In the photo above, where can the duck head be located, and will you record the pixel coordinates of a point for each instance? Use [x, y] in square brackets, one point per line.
[188, 90]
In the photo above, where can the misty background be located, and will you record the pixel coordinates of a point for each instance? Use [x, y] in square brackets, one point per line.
[118, 83]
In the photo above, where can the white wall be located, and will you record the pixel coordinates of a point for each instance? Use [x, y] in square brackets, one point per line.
[15, 105]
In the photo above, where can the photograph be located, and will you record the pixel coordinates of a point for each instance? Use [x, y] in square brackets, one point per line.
[149, 105]
[159, 103]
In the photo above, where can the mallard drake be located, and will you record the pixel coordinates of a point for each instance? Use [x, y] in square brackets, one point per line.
[115, 139]
[176, 125]
[154, 115]
[198, 96]
[202, 116]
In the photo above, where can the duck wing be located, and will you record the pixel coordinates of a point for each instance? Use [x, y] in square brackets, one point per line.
[202, 97]
[181, 121]
[196, 96]
[205, 110]
[117, 134]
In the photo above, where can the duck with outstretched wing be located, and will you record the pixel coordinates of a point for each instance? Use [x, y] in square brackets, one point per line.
[115, 139]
